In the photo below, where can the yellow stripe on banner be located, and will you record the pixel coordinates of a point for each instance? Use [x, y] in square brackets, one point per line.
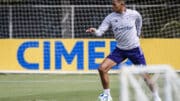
[162, 51]
[8, 54]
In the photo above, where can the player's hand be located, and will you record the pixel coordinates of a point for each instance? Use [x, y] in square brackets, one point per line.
[91, 30]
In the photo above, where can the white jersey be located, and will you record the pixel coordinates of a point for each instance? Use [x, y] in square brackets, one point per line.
[126, 27]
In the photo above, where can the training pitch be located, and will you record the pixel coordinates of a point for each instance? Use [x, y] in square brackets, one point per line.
[54, 87]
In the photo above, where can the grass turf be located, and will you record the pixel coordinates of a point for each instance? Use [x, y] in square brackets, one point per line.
[54, 87]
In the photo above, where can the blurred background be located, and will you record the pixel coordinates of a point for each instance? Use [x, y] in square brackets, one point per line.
[70, 18]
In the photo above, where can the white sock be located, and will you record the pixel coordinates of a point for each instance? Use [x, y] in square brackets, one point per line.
[107, 91]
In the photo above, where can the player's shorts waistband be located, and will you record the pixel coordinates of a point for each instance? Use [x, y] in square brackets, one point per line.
[138, 47]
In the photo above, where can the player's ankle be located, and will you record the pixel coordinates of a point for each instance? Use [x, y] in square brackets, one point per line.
[107, 91]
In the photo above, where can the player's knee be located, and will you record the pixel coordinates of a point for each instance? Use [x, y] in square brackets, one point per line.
[102, 68]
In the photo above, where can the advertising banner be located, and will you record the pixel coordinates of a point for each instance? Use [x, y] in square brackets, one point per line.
[78, 54]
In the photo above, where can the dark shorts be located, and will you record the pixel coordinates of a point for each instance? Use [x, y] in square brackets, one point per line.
[135, 55]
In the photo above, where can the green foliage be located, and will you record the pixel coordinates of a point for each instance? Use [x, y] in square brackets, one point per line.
[171, 30]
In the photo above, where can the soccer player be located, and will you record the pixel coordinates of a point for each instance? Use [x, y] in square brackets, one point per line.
[126, 25]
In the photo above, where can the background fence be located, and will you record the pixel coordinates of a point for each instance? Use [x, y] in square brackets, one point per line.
[70, 18]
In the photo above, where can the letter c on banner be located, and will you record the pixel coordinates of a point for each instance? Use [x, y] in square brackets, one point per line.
[21, 52]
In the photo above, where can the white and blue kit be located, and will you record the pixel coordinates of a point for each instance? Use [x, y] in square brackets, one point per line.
[126, 27]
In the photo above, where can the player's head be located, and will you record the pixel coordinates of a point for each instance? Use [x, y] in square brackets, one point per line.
[118, 5]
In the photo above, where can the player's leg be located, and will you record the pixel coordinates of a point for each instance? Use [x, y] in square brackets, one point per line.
[111, 60]
[114, 58]
[137, 57]
[105, 66]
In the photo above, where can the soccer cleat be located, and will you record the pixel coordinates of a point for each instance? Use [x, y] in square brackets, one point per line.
[157, 98]
[104, 97]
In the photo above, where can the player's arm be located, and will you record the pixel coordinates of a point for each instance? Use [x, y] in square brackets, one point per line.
[138, 23]
[102, 28]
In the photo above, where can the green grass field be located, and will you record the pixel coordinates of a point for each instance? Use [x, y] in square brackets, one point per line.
[54, 87]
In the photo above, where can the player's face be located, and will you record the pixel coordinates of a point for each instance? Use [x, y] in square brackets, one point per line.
[118, 6]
